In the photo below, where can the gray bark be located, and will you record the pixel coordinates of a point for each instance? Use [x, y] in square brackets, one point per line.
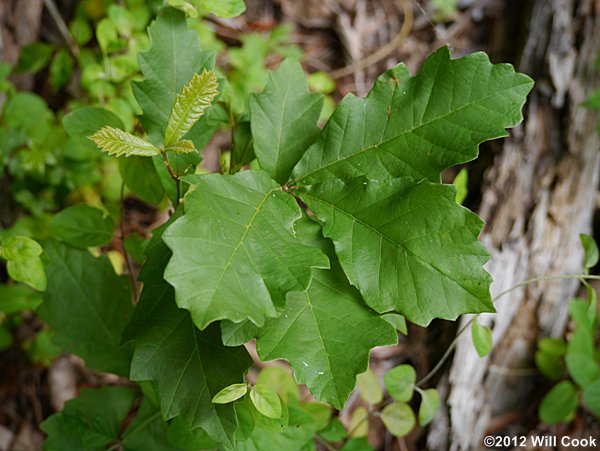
[539, 196]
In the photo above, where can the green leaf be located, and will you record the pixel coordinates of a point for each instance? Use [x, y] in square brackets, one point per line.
[88, 306]
[174, 57]
[34, 57]
[320, 412]
[582, 367]
[242, 152]
[284, 120]
[117, 142]
[236, 334]
[18, 298]
[548, 357]
[461, 181]
[61, 69]
[184, 6]
[325, 332]
[91, 421]
[147, 428]
[230, 393]
[30, 271]
[357, 444]
[400, 382]
[266, 401]
[398, 321]
[559, 404]
[406, 245]
[6, 338]
[334, 432]
[140, 176]
[85, 121]
[181, 436]
[243, 226]
[430, 403]
[222, 8]
[590, 249]
[20, 248]
[82, 226]
[183, 146]
[279, 379]
[369, 387]
[359, 422]
[40, 349]
[187, 366]
[297, 436]
[190, 105]
[591, 397]
[398, 418]
[418, 126]
[482, 338]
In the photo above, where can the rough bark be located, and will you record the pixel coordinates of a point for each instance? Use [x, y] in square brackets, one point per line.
[19, 25]
[539, 196]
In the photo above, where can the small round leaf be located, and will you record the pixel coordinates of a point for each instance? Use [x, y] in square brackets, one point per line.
[590, 249]
[398, 418]
[430, 403]
[29, 271]
[482, 338]
[559, 403]
[370, 390]
[400, 382]
[591, 397]
[359, 422]
[230, 394]
[266, 401]
[20, 248]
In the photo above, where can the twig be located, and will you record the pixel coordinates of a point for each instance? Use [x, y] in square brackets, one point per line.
[62, 27]
[175, 177]
[383, 51]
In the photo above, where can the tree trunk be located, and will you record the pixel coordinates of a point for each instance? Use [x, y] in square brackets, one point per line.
[539, 196]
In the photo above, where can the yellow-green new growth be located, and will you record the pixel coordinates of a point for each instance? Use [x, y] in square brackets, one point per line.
[118, 142]
[190, 105]
[183, 146]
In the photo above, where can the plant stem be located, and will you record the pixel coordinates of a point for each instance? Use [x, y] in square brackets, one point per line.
[126, 255]
[175, 177]
[526, 282]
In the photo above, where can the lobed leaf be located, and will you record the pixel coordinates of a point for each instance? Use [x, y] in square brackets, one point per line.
[82, 226]
[407, 246]
[235, 255]
[284, 120]
[187, 366]
[325, 332]
[172, 60]
[418, 126]
[117, 142]
[85, 291]
[190, 105]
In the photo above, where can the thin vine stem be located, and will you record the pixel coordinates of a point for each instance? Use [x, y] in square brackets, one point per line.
[526, 282]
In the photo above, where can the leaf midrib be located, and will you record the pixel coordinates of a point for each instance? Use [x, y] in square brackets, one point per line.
[407, 132]
[239, 243]
[393, 242]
